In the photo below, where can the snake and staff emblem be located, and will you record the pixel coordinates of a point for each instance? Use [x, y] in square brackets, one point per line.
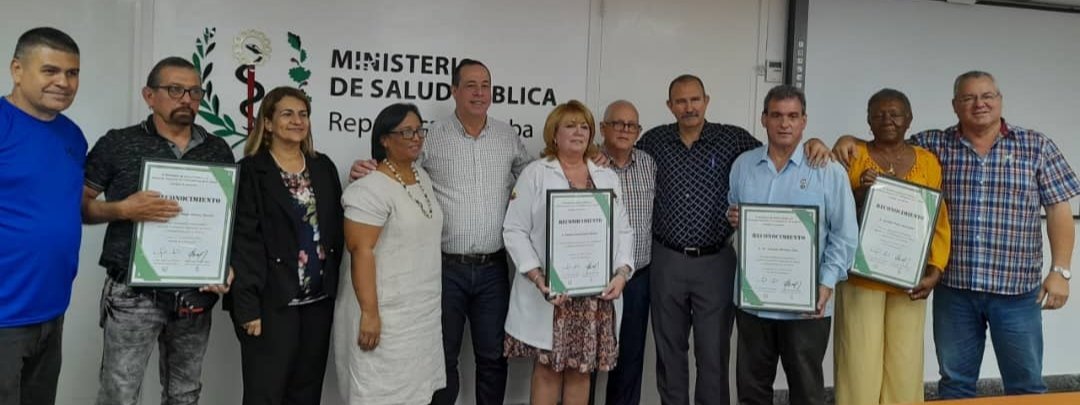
[251, 48]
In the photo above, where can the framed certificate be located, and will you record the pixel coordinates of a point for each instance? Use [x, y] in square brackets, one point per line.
[778, 258]
[579, 241]
[191, 249]
[895, 231]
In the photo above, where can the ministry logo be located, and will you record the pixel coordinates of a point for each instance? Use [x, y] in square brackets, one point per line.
[251, 49]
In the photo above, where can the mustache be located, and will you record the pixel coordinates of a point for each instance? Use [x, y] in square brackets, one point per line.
[188, 110]
[690, 115]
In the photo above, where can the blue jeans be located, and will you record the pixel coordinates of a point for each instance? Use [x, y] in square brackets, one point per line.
[960, 321]
[132, 324]
[624, 382]
[481, 294]
[30, 362]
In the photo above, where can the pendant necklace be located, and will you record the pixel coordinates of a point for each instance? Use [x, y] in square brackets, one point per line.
[426, 211]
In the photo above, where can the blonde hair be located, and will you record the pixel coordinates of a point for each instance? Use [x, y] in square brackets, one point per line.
[561, 113]
[260, 138]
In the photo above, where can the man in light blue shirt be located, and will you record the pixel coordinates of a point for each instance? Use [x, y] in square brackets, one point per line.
[778, 173]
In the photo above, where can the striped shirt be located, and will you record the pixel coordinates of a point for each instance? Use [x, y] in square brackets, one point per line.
[692, 182]
[472, 178]
[638, 180]
[995, 203]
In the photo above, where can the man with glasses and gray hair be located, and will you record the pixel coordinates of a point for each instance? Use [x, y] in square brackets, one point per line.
[637, 175]
[135, 319]
[998, 178]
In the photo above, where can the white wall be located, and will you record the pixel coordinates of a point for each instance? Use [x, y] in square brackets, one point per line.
[646, 43]
[856, 47]
[634, 48]
[103, 30]
[122, 39]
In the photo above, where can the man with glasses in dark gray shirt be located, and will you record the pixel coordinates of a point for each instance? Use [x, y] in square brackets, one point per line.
[136, 319]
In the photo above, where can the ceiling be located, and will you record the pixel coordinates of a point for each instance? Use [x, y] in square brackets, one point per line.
[1071, 6]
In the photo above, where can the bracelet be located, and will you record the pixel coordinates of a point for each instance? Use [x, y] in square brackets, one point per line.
[623, 271]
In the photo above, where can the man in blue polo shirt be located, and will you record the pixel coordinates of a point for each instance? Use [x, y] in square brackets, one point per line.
[41, 170]
[780, 173]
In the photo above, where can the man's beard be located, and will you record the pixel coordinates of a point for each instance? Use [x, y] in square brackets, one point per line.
[182, 116]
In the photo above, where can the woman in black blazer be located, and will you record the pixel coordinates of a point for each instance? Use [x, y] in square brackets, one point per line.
[286, 253]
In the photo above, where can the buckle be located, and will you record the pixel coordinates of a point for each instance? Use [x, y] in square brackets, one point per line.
[692, 251]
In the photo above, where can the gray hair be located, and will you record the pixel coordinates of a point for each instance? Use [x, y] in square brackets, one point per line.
[973, 74]
[618, 103]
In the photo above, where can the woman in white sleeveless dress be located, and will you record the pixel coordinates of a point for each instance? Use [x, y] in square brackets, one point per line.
[388, 329]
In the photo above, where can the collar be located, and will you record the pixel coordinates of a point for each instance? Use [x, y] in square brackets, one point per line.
[461, 127]
[262, 159]
[1005, 130]
[197, 133]
[633, 158]
[553, 164]
[705, 133]
[796, 158]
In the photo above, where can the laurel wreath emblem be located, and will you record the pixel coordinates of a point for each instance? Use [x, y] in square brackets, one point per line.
[210, 105]
[298, 73]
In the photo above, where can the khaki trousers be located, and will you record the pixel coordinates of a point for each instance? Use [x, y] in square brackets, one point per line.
[878, 347]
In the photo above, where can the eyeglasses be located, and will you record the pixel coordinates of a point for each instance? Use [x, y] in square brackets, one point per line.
[623, 126]
[177, 92]
[409, 133]
[985, 97]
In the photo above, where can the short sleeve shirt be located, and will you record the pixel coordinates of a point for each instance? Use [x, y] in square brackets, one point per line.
[41, 169]
[995, 202]
[692, 182]
[113, 167]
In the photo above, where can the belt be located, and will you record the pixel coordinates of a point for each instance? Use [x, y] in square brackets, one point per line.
[695, 251]
[184, 302]
[475, 259]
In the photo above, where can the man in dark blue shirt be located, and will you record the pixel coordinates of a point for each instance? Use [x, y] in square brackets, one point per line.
[693, 265]
[41, 170]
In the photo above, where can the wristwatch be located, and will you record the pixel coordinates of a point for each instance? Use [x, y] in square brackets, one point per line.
[1064, 272]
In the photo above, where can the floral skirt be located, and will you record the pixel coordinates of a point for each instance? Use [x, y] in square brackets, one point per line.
[584, 338]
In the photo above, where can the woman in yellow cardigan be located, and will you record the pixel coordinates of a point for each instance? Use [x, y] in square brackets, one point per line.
[878, 344]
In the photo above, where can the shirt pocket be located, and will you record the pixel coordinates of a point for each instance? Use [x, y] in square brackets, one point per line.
[1017, 175]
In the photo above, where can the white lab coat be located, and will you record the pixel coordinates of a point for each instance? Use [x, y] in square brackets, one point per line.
[531, 317]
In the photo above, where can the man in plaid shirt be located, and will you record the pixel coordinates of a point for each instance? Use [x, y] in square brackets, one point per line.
[997, 177]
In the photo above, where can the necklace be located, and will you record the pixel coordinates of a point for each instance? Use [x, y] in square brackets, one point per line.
[888, 159]
[303, 163]
[426, 211]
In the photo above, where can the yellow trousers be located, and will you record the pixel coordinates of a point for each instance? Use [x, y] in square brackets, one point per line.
[878, 347]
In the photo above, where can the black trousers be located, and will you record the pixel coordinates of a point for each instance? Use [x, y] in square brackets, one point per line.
[624, 381]
[285, 365]
[30, 363]
[800, 346]
[692, 295]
